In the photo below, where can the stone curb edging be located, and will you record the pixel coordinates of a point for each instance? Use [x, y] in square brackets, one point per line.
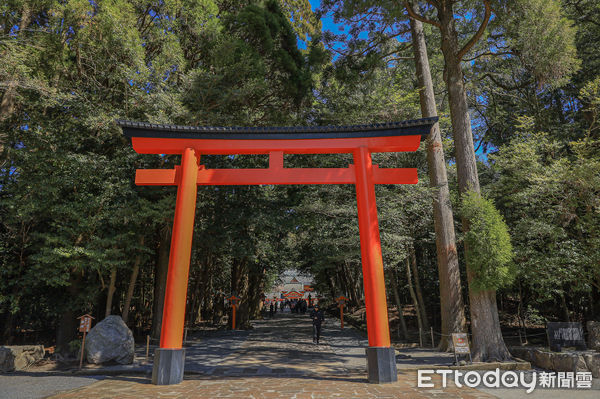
[560, 361]
[516, 366]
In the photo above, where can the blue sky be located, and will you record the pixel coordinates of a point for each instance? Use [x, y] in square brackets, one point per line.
[328, 24]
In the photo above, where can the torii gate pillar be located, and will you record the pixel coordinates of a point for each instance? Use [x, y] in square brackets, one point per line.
[381, 357]
[169, 358]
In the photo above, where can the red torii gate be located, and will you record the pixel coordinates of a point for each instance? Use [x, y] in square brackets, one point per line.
[192, 142]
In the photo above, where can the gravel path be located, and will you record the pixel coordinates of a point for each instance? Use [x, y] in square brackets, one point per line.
[40, 385]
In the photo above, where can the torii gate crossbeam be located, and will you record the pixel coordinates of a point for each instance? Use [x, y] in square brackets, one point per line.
[193, 142]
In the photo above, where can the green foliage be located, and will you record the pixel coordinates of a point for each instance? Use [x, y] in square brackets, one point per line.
[304, 21]
[590, 98]
[548, 193]
[542, 38]
[257, 74]
[490, 252]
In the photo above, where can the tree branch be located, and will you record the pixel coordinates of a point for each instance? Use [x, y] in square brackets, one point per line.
[418, 17]
[490, 53]
[505, 86]
[479, 33]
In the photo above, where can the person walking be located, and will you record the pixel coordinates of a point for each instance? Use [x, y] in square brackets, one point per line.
[271, 310]
[317, 318]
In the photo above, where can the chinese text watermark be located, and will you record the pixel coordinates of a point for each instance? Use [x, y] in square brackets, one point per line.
[506, 379]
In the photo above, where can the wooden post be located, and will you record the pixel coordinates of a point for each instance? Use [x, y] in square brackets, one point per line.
[85, 323]
[147, 346]
[233, 317]
[233, 300]
[341, 300]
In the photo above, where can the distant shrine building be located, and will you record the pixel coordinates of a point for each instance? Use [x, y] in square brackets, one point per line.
[292, 287]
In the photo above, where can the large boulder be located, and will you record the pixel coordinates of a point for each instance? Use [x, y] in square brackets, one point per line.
[7, 360]
[593, 329]
[522, 352]
[570, 362]
[543, 359]
[110, 340]
[592, 360]
[20, 356]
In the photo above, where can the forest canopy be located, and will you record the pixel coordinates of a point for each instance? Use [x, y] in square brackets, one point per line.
[77, 236]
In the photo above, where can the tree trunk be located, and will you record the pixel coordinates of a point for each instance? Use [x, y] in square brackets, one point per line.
[66, 331]
[521, 315]
[358, 289]
[68, 323]
[7, 329]
[8, 103]
[256, 288]
[466, 165]
[132, 280]
[564, 308]
[195, 301]
[394, 283]
[111, 291]
[343, 283]
[415, 301]
[239, 288]
[160, 281]
[418, 290]
[208, 293]
[352, 285]
[331, 284]
[594, 301]
[451, 300]
[488, 343]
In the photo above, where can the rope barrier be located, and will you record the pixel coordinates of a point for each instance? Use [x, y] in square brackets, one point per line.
[503, 336]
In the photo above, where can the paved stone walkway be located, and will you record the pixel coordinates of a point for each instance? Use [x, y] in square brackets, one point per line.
[276, 359]
[265, 387]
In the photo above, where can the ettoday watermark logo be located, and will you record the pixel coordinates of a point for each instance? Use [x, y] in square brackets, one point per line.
[506, 379]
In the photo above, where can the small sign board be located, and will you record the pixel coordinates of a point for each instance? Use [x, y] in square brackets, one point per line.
[85, 323]
[341, 300]
[461, 343]
[561, 335]
[233, 300]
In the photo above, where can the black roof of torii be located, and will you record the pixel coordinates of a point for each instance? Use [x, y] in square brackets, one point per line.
[420, 127]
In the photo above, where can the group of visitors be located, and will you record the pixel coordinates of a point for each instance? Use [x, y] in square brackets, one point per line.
[273, 309]
[295, 306]
[299, 306]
